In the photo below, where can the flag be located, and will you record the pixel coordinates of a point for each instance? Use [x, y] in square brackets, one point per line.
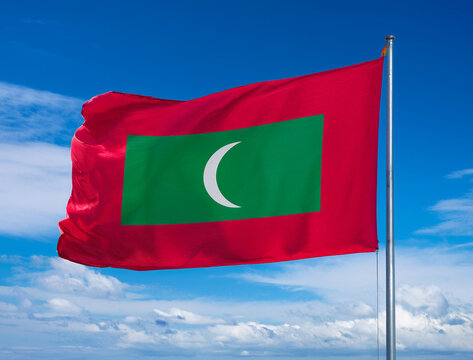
[272, 171]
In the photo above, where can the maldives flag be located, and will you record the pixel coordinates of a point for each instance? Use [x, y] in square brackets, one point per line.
[273, 171]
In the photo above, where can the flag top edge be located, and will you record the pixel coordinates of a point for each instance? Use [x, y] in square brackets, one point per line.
[109, 97]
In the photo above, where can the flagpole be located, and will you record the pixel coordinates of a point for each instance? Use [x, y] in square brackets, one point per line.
[390, 296]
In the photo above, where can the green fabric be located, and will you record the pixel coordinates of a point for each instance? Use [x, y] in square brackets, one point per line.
[273, 170]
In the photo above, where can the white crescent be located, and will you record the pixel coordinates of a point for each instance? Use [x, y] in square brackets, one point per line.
[210, 176]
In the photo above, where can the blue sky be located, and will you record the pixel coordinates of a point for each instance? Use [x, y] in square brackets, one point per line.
[56, 55]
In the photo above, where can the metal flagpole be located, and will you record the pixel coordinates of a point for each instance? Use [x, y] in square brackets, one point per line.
[390, 296]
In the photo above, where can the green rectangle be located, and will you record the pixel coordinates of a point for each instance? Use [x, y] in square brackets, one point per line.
[269, 170]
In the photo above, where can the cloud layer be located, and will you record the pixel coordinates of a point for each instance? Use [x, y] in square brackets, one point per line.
[434, 312]
[36, 128]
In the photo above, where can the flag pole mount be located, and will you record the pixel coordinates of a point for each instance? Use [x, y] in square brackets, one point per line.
[390, 289]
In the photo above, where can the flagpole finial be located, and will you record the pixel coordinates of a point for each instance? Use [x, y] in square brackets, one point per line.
[390, 37]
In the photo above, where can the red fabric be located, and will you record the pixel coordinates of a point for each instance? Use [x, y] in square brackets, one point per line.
[349, 99]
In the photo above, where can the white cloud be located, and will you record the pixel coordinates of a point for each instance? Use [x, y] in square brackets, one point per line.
[63, 306]
[35, 171]
[5, 307]
[34, 187]
[131, 335]
[456, 215]
[459, 174]
[331, 278]
[423, 299]
[34, 115]
[468, 244]
[68, 277]
[352, 278]
[186, 317]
